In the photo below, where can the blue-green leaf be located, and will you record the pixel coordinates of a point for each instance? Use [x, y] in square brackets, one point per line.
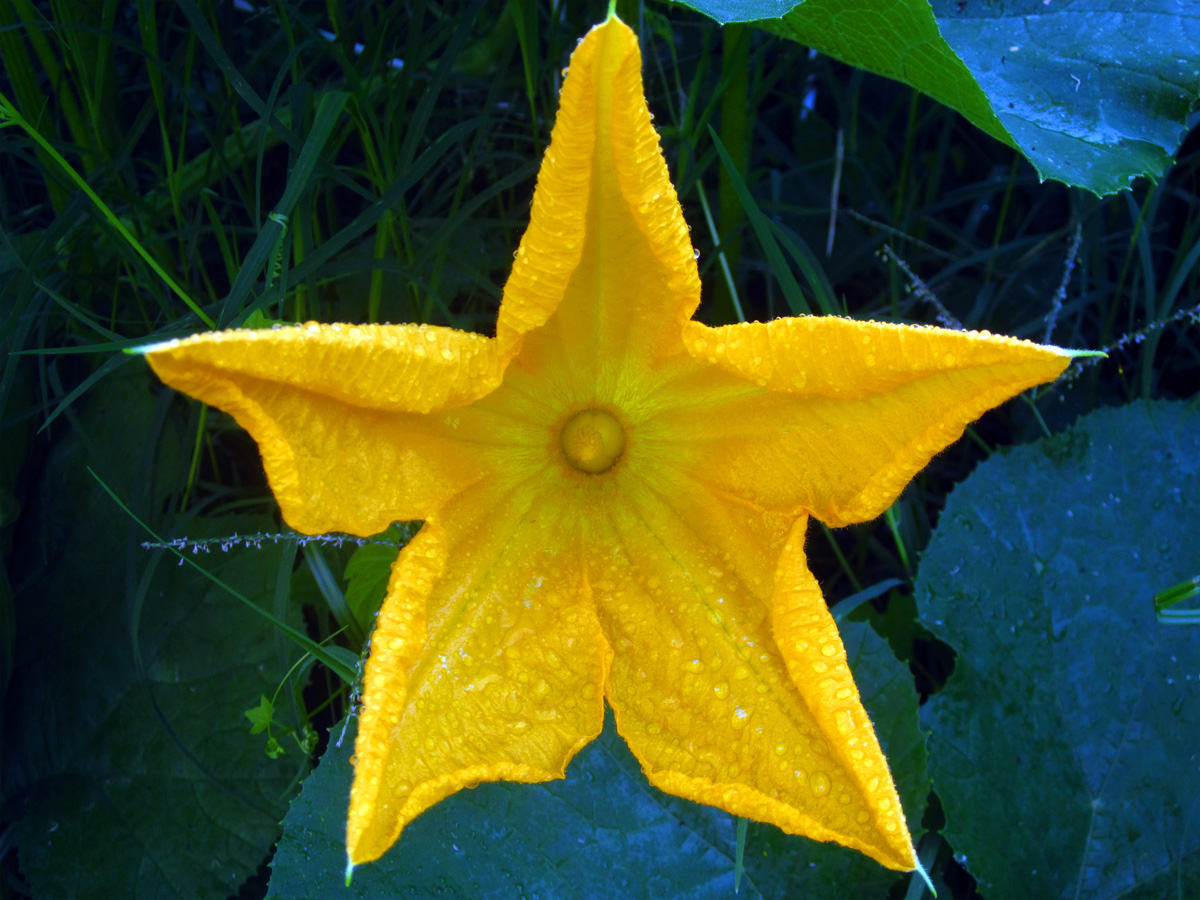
[1093, 94]
[1064, 745]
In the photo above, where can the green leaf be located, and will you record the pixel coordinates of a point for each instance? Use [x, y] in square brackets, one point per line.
[603, 831]
[1093, 94]
[128, 770]
[260, 716]
[1064, 745]
[367, 573]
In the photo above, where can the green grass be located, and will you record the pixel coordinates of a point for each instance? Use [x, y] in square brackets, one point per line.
[167, 167]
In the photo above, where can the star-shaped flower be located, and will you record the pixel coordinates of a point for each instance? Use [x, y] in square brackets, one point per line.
[614, 501]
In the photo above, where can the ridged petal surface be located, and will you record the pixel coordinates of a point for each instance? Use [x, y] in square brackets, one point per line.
[337, 413]
[711, 707]
[487, 664]
[607, 253]
[846, 412]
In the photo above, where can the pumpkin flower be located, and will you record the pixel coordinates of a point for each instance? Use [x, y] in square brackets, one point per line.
[614, 498]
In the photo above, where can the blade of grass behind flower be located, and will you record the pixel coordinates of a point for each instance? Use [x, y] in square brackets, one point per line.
[327, 584]
[797, 248]
[11, 112]
[766, 237]
[105, 368]
[275, 123]
[368, 217]
[19, 69]
[329, 108]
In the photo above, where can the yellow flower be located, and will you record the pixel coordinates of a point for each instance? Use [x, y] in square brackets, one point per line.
[615, 500]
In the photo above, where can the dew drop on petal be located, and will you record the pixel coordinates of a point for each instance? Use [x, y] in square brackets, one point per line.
[820, 784]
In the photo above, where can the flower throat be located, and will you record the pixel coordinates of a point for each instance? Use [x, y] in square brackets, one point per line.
[592, 441]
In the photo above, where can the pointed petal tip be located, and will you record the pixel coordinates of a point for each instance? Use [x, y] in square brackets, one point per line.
[148, 349]
[919, 870]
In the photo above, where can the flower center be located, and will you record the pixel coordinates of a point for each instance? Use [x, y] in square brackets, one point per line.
[593, 441]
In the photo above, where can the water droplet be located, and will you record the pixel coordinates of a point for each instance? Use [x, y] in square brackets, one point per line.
[828, 650]
[721, 690]
[693, 665]
[862, 817]
[884, 804]
[820, 783]
[844, 721]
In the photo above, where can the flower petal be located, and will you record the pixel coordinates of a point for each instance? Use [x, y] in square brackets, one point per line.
[847, 412]
[336, 411]
[607, 247]
[487, 664]
[707, 702]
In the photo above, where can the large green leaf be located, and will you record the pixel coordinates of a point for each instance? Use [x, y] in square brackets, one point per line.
[1092, 93]
[128, 768]
[603, 831]
[1064, 745]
